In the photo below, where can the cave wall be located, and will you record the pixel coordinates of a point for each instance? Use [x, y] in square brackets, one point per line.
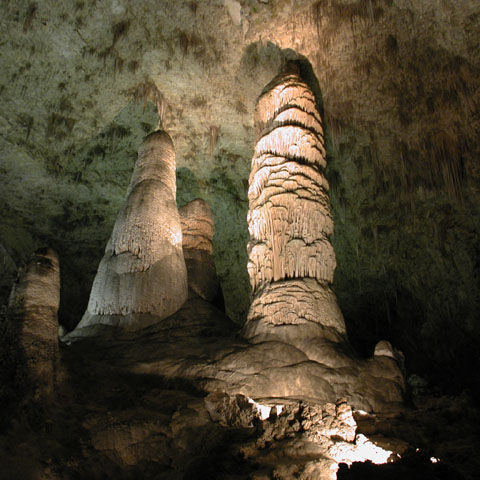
[398, 85]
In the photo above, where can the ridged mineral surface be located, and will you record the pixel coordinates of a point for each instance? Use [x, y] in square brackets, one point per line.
[143, 270]
[290, 219]
[292, 262]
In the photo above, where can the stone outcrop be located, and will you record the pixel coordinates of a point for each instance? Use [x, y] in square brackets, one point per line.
[142, 277]
[198, 229]
[138, 400]
[32, 324]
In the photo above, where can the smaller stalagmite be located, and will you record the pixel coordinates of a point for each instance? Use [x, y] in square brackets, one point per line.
[32, 328]
[198, 229]
[142, 277]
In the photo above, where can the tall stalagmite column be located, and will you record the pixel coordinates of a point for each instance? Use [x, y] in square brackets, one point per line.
[33, 324]
[142, 277]
[292, 262]
[291, 259]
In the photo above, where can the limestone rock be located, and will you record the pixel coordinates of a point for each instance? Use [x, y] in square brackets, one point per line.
[291, 260]
[289, 217]
[143, 270]
[295, 302]
[198, 229]
[384, 348]
[149, 407]
[33, 324]
[292, 263]
[229, 410]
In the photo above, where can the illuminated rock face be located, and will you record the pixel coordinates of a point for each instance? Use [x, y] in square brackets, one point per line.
[33, 322]
[291, 265]
[198, 229]
[291, 260]
[142, 277]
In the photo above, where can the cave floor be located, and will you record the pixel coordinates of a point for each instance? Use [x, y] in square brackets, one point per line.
[142, 406]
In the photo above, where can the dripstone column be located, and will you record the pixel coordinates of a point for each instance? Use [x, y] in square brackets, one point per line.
[291, 259]
[142, 277]
[198, 229]
[294, 311]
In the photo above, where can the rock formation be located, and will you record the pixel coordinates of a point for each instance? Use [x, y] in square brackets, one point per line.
[142, 277]
[297, 346]
[291, 260]
[32, 329]
[198, 228]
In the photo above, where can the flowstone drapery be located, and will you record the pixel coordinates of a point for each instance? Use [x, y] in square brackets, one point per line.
[296, 344]
[142, 277]
[198, 229]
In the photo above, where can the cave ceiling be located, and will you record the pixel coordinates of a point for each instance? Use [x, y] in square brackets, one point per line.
[398, 86]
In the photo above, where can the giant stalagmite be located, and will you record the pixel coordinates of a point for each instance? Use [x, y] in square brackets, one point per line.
[32, 328]
[291, 260]
[291, 264]
[142, 277]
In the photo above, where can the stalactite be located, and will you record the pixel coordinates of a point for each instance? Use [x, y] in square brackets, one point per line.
[143, 270]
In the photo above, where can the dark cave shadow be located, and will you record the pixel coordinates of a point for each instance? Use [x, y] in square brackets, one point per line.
[414, 466]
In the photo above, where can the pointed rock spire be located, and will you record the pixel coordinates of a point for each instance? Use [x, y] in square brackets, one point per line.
[142, 277]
